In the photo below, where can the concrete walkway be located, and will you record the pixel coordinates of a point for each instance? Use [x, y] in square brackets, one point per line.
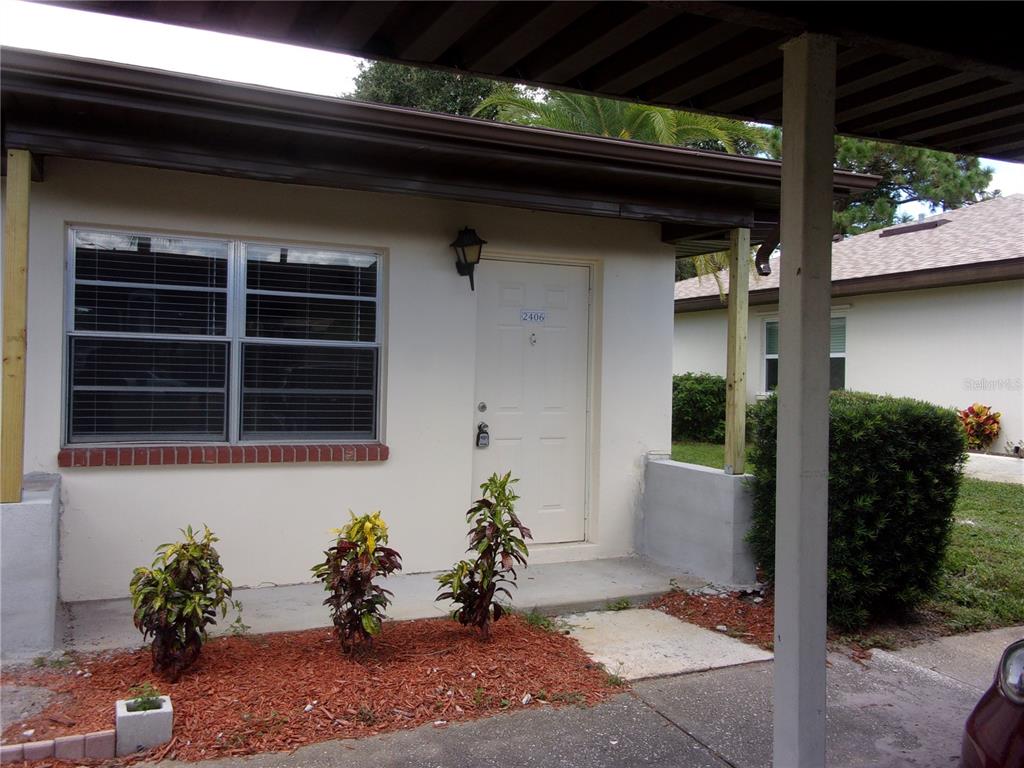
[639, 643]
[551, 589]
[884, 713]
[970, 659]
[996, 469]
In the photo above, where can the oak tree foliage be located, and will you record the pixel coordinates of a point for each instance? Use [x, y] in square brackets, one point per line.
[428, 89]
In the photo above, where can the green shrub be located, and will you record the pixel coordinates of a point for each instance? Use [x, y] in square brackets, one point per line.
[176, 598]
[356, 558]
[474, 585]
[698, 407]
[894, 474]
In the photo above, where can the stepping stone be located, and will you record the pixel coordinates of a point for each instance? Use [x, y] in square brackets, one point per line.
[639, 643]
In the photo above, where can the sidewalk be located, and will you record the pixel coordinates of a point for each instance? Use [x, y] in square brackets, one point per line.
[971, 659]
[996, 469]
[551, 589]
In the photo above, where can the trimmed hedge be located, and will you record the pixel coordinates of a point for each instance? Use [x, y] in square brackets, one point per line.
[698, 407]
[895, 466]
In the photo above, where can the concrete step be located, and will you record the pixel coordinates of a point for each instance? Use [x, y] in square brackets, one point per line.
[639, 643]
[550, 589]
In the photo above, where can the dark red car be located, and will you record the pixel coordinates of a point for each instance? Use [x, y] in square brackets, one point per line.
[994, 734]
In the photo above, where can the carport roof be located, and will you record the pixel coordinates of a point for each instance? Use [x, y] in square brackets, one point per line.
[64, 106]
[947, 76]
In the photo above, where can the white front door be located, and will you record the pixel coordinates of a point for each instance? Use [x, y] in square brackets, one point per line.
[531, 390]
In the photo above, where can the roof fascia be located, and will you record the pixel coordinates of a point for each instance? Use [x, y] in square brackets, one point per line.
[937, 277]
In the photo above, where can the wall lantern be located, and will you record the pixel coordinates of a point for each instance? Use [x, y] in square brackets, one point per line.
[468, 246]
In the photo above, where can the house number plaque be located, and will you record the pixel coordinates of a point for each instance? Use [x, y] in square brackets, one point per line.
[533, 316]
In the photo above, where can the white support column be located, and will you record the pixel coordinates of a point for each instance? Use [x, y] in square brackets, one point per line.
[801, 537]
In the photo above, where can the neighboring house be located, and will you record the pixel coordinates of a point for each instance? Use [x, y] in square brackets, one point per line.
[932, 310]
[243, 311]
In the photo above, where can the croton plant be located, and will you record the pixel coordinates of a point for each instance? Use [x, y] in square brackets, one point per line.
[356, 558]
[981, 424]
[178, 597]
[473, 585]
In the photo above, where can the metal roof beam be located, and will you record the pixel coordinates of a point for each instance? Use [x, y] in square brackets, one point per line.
[518, 30]
[577, 48]
[356, 26]
[1006, 126]
[874, 104]
[668, 49]
[1010, 105]
[920, 109]
[878, 76]
[427, 38]
[1013, 147]
[668, 89]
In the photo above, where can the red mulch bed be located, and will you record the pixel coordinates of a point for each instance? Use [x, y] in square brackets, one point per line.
[249, 694]
[743, 619]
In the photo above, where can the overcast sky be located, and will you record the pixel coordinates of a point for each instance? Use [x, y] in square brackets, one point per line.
[77, 33]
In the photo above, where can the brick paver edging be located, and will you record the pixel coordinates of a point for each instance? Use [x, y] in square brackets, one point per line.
[164, 455]
[98, 745]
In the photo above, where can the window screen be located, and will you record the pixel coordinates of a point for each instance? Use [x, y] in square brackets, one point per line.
[312, 391]
[143, 362]
[837, 354]
[309, 357]
[163, 347]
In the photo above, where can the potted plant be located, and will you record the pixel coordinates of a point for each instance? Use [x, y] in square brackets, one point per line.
[143, 721]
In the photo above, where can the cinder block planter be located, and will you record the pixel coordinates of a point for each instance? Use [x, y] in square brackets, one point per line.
[143, 729]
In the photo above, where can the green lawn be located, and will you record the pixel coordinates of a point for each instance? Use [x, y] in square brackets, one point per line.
[705, 454]
[982, 582]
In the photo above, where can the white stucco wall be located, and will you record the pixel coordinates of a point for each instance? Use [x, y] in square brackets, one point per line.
[273, 520]
[950, 346]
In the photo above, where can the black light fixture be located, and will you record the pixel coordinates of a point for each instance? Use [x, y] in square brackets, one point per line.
[468, 246]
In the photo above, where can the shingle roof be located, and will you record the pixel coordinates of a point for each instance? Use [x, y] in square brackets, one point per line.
[988, 231]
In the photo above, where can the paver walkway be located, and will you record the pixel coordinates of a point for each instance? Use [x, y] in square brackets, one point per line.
[554, 588]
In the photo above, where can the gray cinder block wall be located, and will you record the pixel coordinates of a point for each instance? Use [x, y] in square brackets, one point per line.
[28, 568]
[696, 519]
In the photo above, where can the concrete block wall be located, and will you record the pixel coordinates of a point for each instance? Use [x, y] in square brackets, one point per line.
[696, 519]
[28, 568]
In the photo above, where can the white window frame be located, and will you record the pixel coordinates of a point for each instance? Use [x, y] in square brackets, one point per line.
[235, 337]
[765, 357]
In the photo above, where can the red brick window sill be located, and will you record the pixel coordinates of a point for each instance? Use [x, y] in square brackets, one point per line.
[163, 455]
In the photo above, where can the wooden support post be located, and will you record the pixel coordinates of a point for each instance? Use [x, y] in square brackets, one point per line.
[736, 360]
[801, 513]
[15, 300]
